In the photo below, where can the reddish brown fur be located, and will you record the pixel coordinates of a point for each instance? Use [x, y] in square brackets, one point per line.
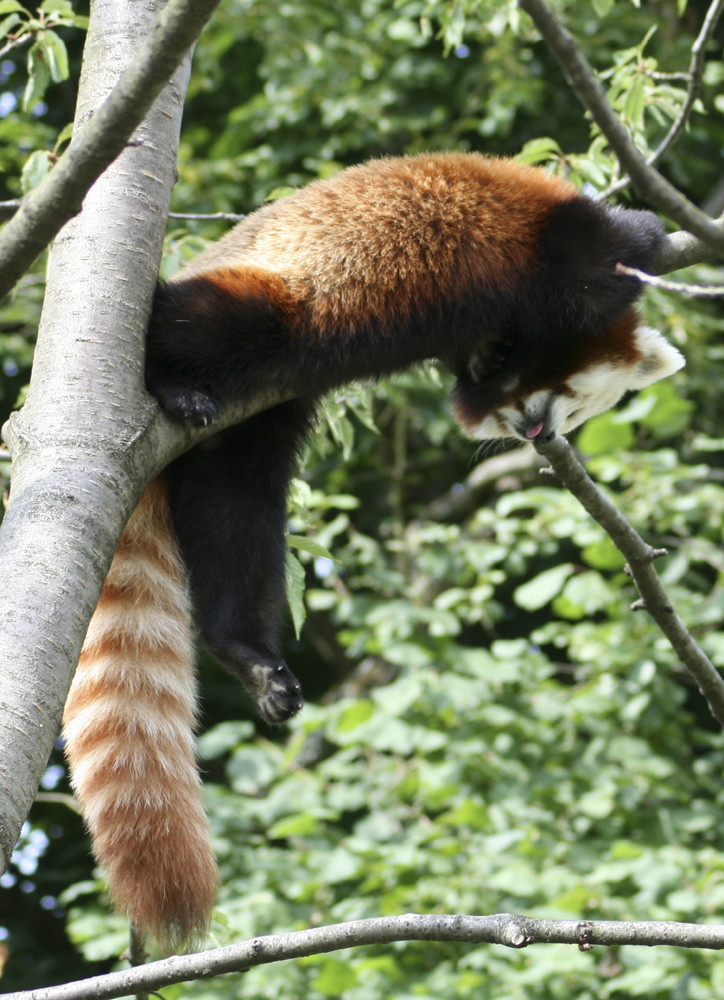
[391, 235]
[129, 725]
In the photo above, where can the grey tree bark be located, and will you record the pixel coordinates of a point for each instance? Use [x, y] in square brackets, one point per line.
[89, 437]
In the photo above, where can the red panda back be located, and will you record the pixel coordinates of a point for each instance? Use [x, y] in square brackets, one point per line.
[392, 234]
[128, 728]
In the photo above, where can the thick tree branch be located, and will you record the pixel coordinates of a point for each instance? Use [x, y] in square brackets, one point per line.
[640, 557]
[648, 182]
[682, 250]
[97, 142]
[506, 929]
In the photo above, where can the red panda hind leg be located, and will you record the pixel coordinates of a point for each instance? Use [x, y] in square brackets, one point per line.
[128, 728]
[228, 500]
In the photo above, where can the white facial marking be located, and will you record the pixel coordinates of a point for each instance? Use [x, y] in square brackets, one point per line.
[660, 358]
[591, 391]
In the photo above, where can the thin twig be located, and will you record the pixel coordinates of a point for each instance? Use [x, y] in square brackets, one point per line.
[61, 798]
[204, 216]
[640, 557]
[693, 77]
[650, 184]
[15, 42]
[506, 929]
[680, 287]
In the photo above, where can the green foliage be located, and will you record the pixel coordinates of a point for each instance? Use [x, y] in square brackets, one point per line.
[47, 57]
[536, 751]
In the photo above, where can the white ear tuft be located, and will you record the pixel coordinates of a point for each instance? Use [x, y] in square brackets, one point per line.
[660, 358]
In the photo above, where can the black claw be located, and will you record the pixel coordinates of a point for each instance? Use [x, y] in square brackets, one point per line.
[195, 406]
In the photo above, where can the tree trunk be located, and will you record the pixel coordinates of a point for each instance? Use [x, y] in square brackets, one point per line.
[89, 437]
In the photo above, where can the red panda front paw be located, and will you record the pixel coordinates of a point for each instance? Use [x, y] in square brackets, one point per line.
[276, 691]
[196, 406]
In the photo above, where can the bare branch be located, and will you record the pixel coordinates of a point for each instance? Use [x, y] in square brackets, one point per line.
[97, 142]
[15, 42]
[640, 557]
[649, 183]
[682, 250]
[680, 287]
[504, 929]
[203, 216]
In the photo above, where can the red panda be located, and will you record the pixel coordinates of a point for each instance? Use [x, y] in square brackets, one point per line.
[502, 272]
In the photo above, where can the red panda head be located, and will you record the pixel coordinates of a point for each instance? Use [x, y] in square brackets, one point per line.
[540, 401]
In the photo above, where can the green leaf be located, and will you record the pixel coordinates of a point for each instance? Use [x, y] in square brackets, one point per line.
[541, 590]
[295, 592]
[56, 54]
[223, 738]
[11, 6]
[336, 977]
[584, 594]
[604, 434]
[539, 151]
[470, 814]
[63, 136]
[342, 430]
[37, 166]
[300, 825]
[454, 27]
[7, 25]
[355, 714]
[670, 414]
[305, 544]
[250, 770]
[603, 555]
[38, 77]
[635, 102]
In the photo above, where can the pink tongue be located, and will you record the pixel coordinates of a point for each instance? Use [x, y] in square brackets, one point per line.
[534, 431]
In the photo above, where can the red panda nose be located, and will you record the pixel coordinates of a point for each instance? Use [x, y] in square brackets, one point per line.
[534, 430]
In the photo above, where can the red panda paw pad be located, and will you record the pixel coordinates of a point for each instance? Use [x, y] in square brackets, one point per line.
[276, 691]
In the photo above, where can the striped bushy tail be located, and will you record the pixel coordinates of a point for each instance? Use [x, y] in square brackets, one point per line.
[128, 727]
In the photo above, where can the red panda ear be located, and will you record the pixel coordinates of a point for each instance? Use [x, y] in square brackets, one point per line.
[658, 358]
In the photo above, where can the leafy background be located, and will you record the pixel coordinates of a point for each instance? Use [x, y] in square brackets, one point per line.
[489, 727]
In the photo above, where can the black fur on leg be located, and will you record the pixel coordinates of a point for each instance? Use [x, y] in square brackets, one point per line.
[228, 502]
